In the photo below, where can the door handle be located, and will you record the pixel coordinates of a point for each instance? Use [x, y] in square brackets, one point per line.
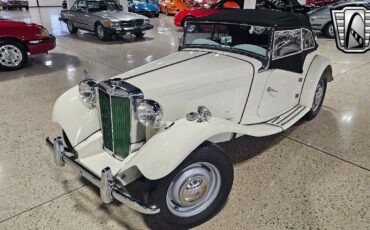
[269, 89]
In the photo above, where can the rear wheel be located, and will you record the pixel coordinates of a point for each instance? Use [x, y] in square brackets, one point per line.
[71, 28]
[196, 190]
[13, 55]
[102, 33]
[329, 30]
[318, 98]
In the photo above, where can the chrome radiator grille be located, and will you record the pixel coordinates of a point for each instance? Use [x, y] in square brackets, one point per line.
[117, 100]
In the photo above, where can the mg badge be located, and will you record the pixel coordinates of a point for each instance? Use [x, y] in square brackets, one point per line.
[352, 29]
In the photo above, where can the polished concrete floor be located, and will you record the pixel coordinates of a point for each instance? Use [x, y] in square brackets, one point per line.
[314, 176]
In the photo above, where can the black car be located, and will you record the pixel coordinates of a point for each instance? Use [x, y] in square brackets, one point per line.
[285, 5]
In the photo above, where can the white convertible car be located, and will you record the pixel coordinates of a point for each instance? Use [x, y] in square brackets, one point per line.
[237, 72]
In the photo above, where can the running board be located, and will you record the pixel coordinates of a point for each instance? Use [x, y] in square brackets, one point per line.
[289, 118]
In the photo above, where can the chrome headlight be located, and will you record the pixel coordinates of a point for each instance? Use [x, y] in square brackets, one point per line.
[149, 113]
[87, 89]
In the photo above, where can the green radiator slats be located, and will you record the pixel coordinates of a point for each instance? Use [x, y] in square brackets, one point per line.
[121, 125]
[116, 123]
[106, 120]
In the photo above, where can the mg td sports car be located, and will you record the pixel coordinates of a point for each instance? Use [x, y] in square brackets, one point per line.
[105, 17]
[237, 72]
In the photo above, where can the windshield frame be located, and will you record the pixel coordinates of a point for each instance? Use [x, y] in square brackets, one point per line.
[263, 59]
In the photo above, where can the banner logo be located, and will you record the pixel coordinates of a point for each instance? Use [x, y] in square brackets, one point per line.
[352, 29]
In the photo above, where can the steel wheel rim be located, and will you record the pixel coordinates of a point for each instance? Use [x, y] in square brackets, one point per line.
[10, 56]
[100, 31]
[319, 94]
[193, 189]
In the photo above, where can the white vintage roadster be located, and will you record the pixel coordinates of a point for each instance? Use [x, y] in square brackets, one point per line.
[237, 72]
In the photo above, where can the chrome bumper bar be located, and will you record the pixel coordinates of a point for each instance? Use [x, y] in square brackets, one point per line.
[108, 189]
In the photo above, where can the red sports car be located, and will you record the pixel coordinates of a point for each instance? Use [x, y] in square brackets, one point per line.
[17, 39]
[182, 16]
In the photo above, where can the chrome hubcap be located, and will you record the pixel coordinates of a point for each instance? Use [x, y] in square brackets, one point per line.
[10, 56]
[100, 31]
[193, 189]
[318, 95]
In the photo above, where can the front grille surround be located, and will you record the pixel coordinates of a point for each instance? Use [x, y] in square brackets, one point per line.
[122, 132]
[132, 23]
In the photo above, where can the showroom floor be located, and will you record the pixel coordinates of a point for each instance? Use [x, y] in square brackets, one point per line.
[314, 176]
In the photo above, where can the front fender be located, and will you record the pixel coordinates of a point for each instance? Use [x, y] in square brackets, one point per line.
[78, 121]
[318, 65]
[167, 149]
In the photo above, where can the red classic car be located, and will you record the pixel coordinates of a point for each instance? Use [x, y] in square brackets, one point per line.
[182, 16]
[17, 39]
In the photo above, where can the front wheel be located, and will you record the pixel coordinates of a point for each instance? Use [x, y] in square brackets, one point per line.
[102, 34]
[318, 98]
[71, 28]
[196, 190]
[13, 55]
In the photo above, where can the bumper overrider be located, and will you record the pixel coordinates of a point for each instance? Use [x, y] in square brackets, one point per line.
[109, 190]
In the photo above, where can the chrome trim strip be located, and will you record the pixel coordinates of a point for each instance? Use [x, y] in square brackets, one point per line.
[108, 188]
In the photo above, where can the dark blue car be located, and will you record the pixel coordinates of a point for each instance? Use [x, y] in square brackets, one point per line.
[144, 7]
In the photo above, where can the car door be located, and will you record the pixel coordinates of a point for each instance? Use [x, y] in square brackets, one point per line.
[79, 19]
[284, 84]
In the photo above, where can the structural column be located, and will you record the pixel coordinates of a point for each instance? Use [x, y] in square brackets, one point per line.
[249, 4]
[124, 3]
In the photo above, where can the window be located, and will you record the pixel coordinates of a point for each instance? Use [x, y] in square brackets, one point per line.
[307, 39]
[246, 39]
[286, 43]
[81, 5]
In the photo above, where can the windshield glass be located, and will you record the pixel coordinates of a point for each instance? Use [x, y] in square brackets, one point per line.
[103, 5]
[231, 37]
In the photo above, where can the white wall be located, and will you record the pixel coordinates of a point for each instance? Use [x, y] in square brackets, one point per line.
[32, 2]
[46, 2]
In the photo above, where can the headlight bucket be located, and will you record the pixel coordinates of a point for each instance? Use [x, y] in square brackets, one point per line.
[87, 90]
[149, 113]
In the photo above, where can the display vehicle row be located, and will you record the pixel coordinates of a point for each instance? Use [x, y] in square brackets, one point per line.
[105, 17]
[237, 72]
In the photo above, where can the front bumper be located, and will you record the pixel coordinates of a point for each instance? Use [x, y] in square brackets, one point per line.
[124, 30]
[109, 190]
[41, 46]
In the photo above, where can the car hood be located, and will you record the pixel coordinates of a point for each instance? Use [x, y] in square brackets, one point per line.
[118, 15]
[189, 69]
[146, 5]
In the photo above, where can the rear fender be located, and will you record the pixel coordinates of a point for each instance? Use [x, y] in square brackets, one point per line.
[318, 67]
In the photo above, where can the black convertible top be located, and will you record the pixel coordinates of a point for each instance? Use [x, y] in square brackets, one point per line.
[259, 17]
